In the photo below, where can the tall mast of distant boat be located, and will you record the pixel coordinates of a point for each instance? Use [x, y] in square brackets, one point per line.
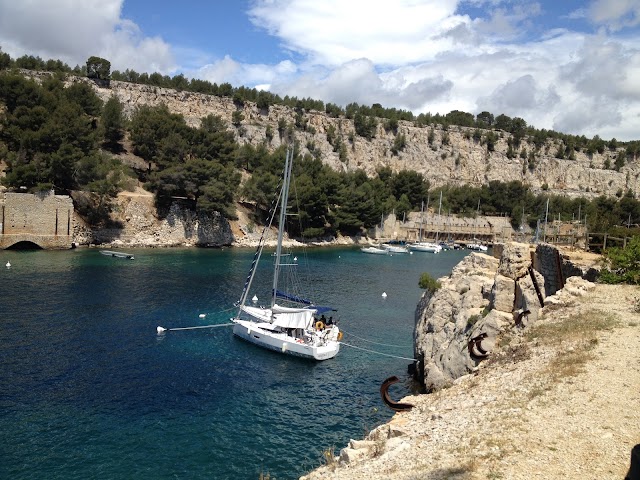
[475, 223]
[422, 216]
[439, 207]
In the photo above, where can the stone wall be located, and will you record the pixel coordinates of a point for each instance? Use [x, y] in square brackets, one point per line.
[556, 267]
[43, 218]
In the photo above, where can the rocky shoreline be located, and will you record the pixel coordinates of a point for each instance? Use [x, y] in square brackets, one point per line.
[555, 398]
[142, 227]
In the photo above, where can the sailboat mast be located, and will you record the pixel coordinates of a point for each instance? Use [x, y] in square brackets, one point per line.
[258, 254]
[421, 220]
[439, 207]
[283, 214]
[475, 223]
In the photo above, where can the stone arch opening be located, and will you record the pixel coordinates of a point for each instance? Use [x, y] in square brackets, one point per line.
[24, 245]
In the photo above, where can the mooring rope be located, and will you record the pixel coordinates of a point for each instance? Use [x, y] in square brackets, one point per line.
[378, 353]
[194, 328]
[376, 343]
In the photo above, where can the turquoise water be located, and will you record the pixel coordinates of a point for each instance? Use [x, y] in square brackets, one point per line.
[88, 390]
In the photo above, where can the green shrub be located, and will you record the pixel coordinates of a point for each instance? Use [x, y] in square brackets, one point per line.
[622, 265]
[427, 282]
[471, 321]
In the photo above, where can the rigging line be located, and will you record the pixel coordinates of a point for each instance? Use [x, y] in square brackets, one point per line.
[161, 329]
[376, 343]
[378, 353]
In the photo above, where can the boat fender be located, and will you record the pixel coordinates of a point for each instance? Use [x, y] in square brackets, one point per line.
[319, 325]
[340, 335]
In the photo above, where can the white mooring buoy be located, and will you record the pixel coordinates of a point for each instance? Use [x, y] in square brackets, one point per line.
[384, 294]
[202, 315]
[8, 265]
[254, 299]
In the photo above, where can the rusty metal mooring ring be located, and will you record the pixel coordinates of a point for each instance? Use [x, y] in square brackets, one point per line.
[520, 315]
[395, 406]
[475, 347]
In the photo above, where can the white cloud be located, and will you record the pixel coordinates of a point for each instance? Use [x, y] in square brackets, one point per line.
[615, 14]
[446, 61]
[335, 32]
[419, 55]
[239, 74]
[519, 97]
[507, 23]
[588, 115]
[605, 68]
[74, 30]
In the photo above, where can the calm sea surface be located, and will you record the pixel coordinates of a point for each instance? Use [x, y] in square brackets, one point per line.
[88, 390]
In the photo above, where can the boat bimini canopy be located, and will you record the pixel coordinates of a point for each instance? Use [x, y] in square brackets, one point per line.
[294, 298]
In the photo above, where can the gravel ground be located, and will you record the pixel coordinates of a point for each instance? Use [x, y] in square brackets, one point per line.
[560, 403]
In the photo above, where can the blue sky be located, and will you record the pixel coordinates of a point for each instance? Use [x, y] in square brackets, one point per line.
[568, 65]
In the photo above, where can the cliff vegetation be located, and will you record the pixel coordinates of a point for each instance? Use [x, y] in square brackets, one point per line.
[215, 148]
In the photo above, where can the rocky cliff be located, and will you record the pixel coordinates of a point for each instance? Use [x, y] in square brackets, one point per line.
[453, 157]
[484, 297]
[138, 224]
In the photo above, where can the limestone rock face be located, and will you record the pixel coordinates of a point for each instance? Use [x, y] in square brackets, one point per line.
[440, 334]
[503, 293]
[452, 158]
[142, 227]
[458, 325]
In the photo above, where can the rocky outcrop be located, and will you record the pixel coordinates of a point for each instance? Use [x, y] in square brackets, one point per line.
[141, 226]
[545, 406]
[458, 325]
[452, 158]
[451, 313]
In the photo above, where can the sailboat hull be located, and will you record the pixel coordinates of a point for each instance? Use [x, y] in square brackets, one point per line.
[282, 343]
[425, 247]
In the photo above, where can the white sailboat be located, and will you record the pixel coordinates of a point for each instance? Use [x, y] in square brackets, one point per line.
[425, 247]
[391, 248]
[292, 330]
[374, 250]
[421, 246]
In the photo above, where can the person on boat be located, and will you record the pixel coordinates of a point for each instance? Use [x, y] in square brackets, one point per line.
[330, 321]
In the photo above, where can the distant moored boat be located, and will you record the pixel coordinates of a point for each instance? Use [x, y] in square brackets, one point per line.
[110, 253]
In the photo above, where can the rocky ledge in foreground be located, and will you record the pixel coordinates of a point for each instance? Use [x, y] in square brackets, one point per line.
[555, 398]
